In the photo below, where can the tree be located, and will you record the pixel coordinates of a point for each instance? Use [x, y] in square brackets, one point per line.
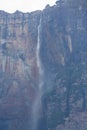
[59, 2]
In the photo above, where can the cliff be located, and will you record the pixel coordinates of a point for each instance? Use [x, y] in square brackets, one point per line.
[62, 53]
[18, 69]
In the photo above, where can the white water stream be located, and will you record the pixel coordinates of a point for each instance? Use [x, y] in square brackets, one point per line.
[37, 106]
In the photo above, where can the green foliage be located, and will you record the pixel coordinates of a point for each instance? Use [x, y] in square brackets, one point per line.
[56, 118]
[55, 114]
[77, 3]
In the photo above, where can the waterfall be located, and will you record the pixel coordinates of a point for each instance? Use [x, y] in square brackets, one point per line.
[39, 64]
[37, 106]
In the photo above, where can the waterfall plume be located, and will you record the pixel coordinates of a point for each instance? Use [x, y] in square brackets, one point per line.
[37, 106]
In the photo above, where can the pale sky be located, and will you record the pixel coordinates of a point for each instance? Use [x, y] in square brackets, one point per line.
[24, 5]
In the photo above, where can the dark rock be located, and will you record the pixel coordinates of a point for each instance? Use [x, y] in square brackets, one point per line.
[63, 53]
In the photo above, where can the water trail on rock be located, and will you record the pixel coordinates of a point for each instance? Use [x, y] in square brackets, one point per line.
[36, 111]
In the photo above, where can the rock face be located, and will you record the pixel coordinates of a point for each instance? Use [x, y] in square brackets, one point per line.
[18, 69]
[64, 43]
[63, 53]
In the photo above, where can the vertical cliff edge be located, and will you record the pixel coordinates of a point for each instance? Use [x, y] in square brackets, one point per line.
[61, 43]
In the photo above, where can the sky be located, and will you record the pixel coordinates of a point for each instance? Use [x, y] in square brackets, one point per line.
[24, 5]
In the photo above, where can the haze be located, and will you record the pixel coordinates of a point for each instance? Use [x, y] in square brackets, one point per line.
[24, 5]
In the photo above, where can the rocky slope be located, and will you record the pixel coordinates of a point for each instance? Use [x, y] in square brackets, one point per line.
[62, 53]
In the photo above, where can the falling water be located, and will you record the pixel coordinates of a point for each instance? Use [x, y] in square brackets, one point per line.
[36, 112]
[39, 64]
